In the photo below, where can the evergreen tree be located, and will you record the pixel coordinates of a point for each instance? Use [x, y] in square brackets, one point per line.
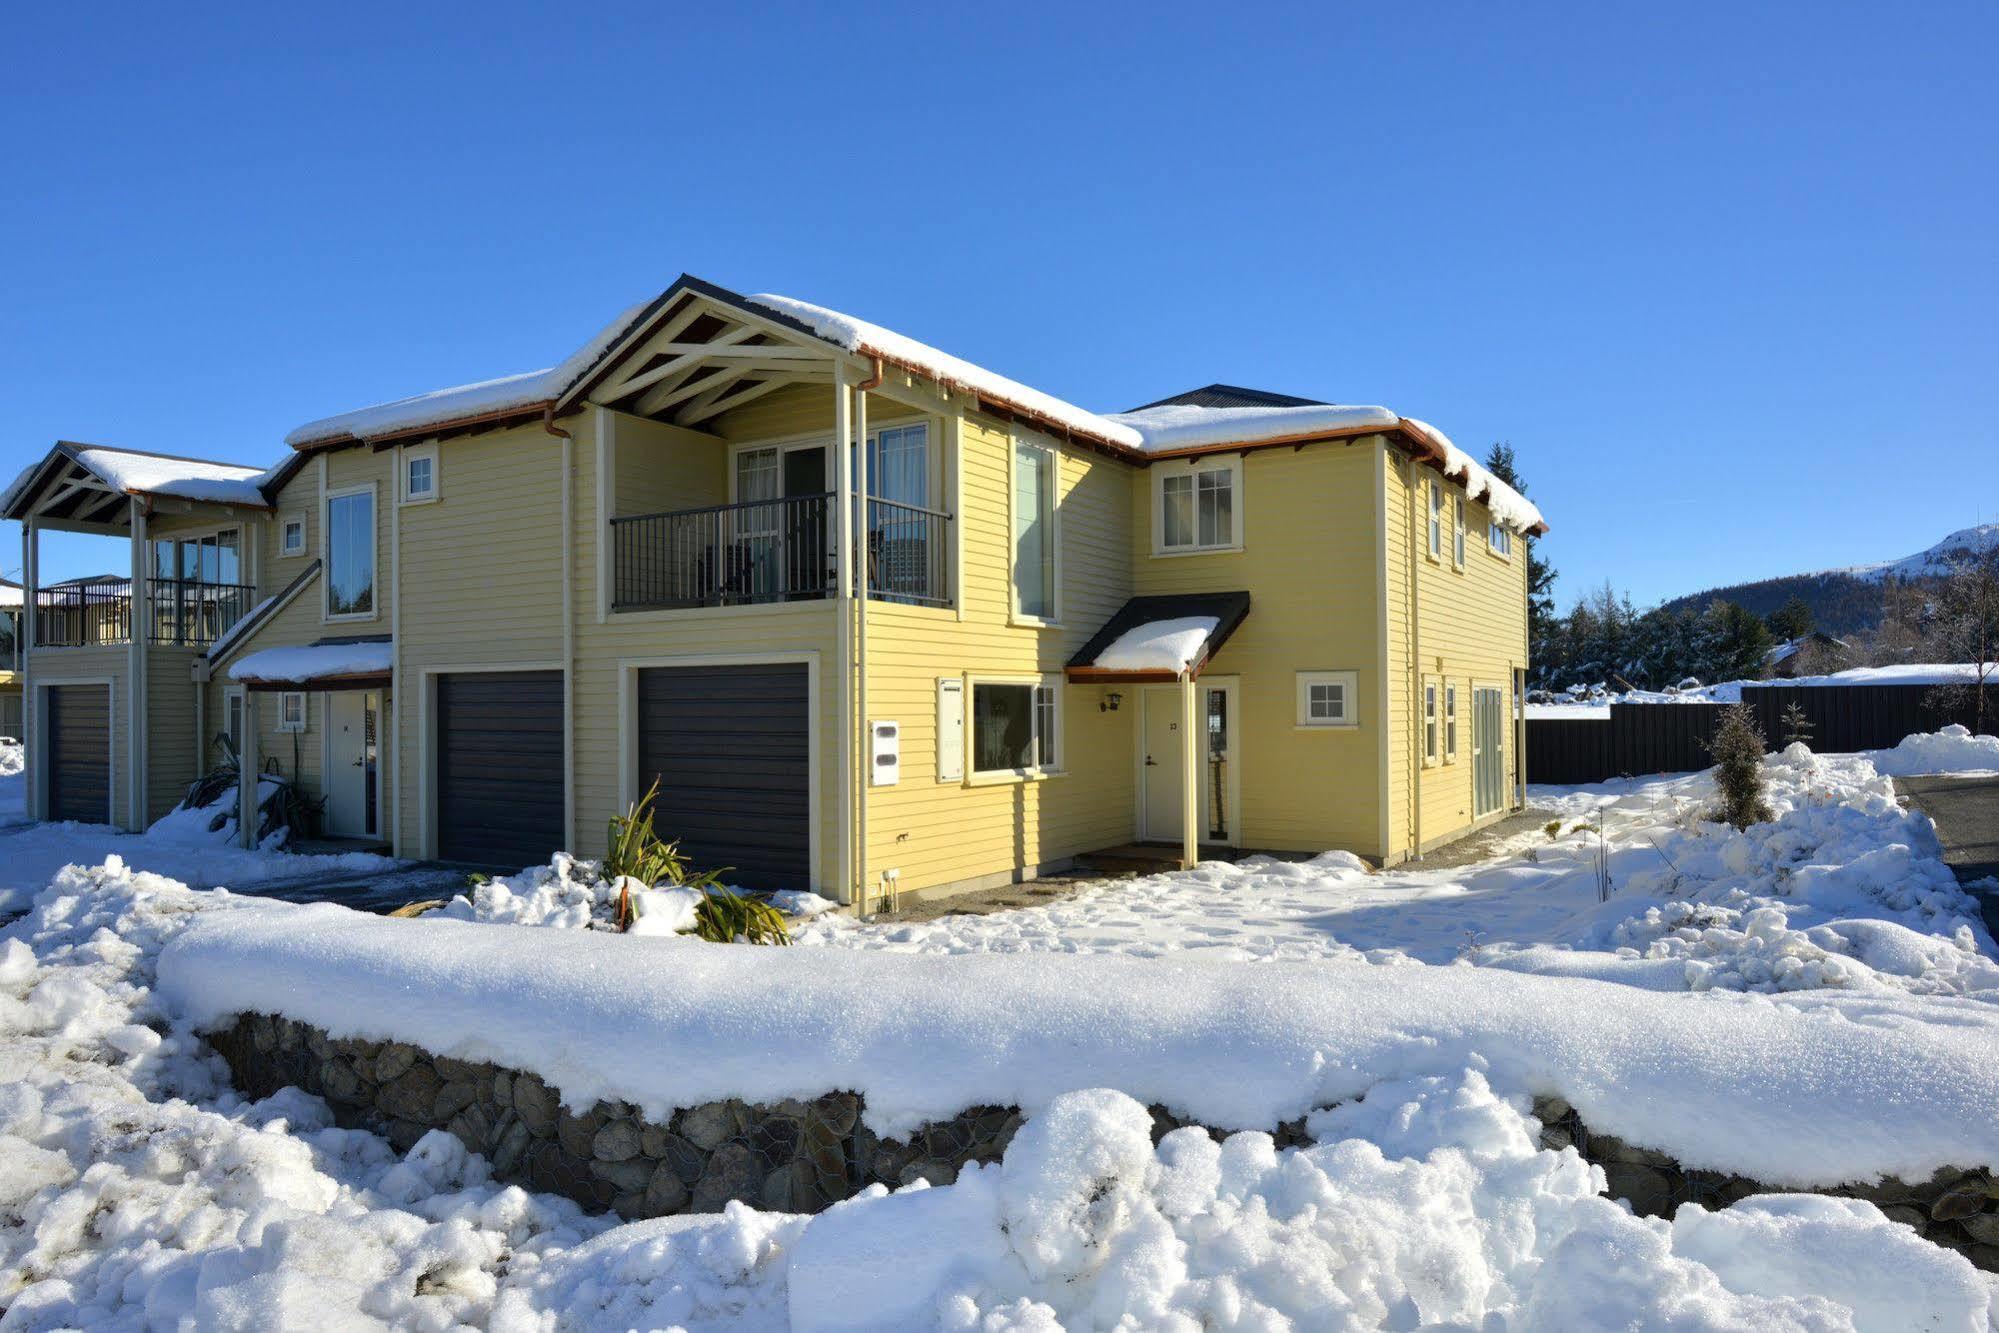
[1792, 620]
[1738, 766]
[1541, 619]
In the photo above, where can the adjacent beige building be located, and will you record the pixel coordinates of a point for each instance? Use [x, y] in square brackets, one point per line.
[875, 620]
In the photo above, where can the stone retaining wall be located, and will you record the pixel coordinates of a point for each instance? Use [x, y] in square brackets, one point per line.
[803, 1156]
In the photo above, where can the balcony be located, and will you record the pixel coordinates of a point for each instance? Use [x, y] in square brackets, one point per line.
[773, 551]
[183, 613]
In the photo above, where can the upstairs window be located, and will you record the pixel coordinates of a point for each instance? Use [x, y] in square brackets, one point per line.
[420, 474]
[291, 538]
[1499, 538]
[1198, 507]
[1458, 530]
[1034, 531]
[350, 554]
[1436, 520]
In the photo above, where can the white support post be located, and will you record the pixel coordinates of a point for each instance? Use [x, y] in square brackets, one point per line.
[25, 638]
[1193, 747]
[247, 763]
[843, 524]
[136, 745]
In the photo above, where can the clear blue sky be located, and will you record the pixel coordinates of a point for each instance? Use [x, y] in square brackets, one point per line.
[1725, 275]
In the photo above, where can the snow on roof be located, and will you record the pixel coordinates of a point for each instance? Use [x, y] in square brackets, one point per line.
[1509, 506]
[1188, 426]
[186, 478]
[1159, 645]
[466, 400]
[319, 661]
[11, 594]
[863, 338]
[1805, 1096]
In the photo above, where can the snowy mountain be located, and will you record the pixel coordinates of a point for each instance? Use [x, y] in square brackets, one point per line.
[1981, 542]
[1845, 601]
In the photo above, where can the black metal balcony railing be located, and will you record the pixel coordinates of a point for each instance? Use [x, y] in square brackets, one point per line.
[771, 551]
[725, 555]
[184, 613]
[906, 553]
[196, 614]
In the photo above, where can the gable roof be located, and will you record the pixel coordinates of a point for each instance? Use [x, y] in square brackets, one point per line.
[121, 472]
[1216, 417]
[1231, 395]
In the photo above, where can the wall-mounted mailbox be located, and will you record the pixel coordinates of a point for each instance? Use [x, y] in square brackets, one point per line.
[887, 754]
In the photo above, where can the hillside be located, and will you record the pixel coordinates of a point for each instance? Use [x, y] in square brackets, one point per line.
[1845, 601]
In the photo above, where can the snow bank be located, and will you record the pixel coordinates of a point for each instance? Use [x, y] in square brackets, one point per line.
[13, 759]
[863, 338]
[1158, 645]
[144, 474]
[1428, 1204]
[1186, 426]
[314, 662]
[1905, 673]
[1952, 750]
[1810, 1091]
[485, 397]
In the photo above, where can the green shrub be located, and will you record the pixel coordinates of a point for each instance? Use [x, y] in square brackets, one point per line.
[637, 852]
[1738, 752]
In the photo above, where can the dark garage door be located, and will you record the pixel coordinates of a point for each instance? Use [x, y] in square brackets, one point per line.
[731, 748]
[499, 767]
[79, 751]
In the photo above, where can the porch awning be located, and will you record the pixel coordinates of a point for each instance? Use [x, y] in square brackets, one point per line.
[1157, 638]
[329, 664]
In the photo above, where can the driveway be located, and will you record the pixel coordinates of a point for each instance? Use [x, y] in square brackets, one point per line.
[1966, 813]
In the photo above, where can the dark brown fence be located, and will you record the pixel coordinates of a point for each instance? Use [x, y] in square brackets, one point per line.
[1634, 740]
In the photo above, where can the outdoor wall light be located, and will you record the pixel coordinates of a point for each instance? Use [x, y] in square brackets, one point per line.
[1110, 702]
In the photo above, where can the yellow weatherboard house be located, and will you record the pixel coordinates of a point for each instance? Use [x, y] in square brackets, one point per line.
[878, 621]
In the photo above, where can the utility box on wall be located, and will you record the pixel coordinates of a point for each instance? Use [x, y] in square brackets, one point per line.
[886, 763]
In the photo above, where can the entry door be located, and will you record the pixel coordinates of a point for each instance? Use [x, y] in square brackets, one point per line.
[1488, 750]
[1160, 777]
[351, 762]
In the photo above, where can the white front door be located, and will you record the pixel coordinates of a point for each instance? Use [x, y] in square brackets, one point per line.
[351, 762]
[1159, 763]
[1160, 778]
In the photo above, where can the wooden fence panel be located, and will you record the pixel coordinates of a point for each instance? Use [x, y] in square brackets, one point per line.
[1640, 739]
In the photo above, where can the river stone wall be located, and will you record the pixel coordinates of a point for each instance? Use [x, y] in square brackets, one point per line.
[803, 1156]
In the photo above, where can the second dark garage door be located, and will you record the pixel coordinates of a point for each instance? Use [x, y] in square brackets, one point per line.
[731, 747]
[79, 751]
[499, 767]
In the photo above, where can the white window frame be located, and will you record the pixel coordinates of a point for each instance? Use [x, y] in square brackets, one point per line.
[1193, 468]
[1458, 531]
[1433, 728]
[1434, 548]
[1055, 687]
[1498, 537]
[286, 549]
[1016, 616]
[421, 452]
[374, 611]
[1450, 722]
[1349, 683]
[286, 725]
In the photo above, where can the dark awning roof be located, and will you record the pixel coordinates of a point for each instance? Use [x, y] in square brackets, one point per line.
[1226, 609]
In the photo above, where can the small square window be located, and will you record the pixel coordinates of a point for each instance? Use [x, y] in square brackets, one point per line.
[420, 474]
[1327, 698]
[291, 711]
[291, 538]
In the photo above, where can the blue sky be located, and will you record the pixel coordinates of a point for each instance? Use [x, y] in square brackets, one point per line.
[1724, 275]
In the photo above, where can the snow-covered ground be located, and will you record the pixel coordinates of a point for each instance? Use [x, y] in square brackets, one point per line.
[13, 784]
[136, 1190]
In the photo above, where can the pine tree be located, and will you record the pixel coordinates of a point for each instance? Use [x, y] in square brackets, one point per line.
[1737, 748]
[1792, 620]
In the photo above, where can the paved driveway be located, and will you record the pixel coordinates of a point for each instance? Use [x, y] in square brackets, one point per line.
[1966, 813]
